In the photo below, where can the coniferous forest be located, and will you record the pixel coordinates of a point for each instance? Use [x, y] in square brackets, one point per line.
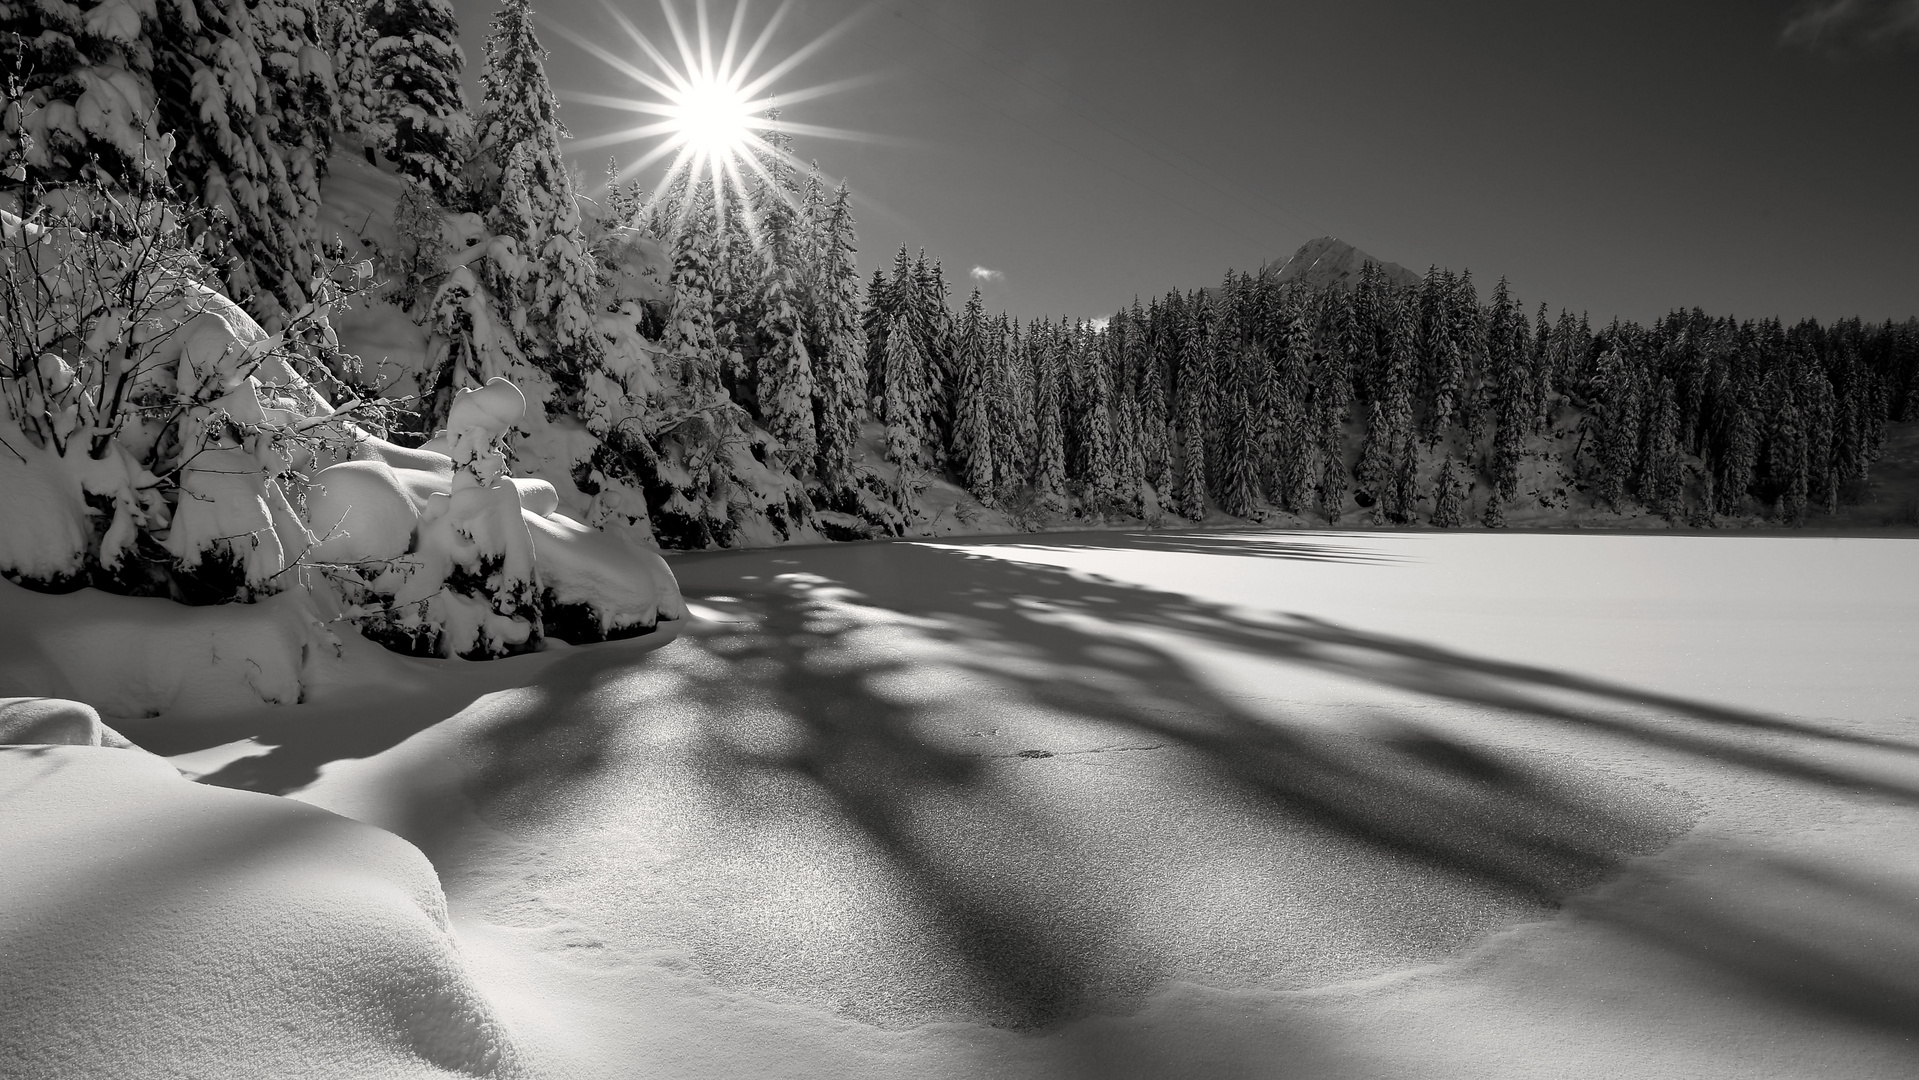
[715, 368]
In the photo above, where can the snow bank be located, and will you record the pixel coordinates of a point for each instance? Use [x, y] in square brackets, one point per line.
[154, 926]
[40, 721]
[133, 656]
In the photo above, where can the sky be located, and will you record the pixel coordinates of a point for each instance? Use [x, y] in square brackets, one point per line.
[1750, 157]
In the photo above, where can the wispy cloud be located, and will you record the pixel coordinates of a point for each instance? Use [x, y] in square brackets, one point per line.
[1832, 25]
[980, 273]
[1100, 323]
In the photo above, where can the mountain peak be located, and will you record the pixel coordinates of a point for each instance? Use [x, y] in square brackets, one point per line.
[1330, 261]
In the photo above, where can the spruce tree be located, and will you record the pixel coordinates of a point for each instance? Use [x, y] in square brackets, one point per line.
[973, 429]
[1332, 399]
[1664, 483]
[1239, 445]
[785, 368]
[252, 129]
[1447, 498]
[519, 119]
[53, 55]
[416, 62]
[838, 349]
[1049, 468]
[344, 35]
[1468, 329]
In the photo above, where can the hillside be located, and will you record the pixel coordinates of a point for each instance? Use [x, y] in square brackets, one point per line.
[1327, 261]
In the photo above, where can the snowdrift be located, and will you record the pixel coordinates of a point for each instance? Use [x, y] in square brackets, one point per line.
[153, 926]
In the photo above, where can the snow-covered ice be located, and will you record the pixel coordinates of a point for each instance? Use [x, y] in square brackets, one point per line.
[1198, 804]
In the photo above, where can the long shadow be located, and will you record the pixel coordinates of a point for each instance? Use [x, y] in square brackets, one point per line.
[1034, 951]
[1469, 812]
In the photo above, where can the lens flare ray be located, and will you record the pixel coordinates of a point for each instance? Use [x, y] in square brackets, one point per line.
[717, 116]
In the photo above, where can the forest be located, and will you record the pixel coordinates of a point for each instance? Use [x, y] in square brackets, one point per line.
[707, 366]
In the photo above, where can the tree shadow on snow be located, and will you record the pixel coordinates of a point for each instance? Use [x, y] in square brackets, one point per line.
[1398, 803]
[1065, 813]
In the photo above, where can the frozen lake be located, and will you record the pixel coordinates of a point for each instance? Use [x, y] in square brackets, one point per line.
[1192, 804]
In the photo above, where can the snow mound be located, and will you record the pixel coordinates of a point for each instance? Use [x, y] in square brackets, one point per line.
[38, 721]
[130, 656]
[153, 926]
[446, 554]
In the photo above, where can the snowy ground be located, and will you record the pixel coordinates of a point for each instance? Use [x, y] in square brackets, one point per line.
[1207, 804]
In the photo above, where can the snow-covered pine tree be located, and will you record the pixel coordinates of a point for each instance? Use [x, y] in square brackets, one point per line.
[1542, 377]
[343, 33]
[417, 63]
[1509, 388]
[838, 349]
[902, 399]
[1401, 365]
[1155, 442]
[1018, 415]
[1094, 416]
[1290, 371]
[973, 430]
[1447, 497]
[1049, 466]
[247, 92]
[1192, 389]
[1468, 328]
[875, 317]
[1239, 442]
[932, 319]
[1442, 374]
[60, 63]
[1664, 481]
[1332, 400]
[519, 118]
[1616, 421]
[1374, 471]
[785, 373]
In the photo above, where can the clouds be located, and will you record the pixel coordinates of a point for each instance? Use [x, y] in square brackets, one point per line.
[981, 273]
[1837, 24]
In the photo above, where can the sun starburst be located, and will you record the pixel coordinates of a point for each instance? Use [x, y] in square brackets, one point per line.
[715, 115]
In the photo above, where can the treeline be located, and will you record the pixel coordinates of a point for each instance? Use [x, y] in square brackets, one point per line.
[1400, 401]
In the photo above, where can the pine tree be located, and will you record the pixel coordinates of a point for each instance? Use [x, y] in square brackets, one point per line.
[1049, 469]
[902, 401]
[51, 56]
[1443, 360]
[1332, 398]
[252, 127]
[1468, 329]
[973, 433]
[1494, 516]
[1447, 498]
[519, 119]
[838, 349]
[417, 61]
[785, 369]
[1508, 391]
[875, 317]
[1664, 483]
[1239, 446]
[344, 35]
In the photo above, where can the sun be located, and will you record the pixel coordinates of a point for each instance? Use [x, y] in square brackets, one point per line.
[714, 118]
[713, 111]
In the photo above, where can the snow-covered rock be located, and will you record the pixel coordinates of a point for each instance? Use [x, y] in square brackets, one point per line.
[152, 926]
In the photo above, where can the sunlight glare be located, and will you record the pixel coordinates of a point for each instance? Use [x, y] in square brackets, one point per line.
[709, 112]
